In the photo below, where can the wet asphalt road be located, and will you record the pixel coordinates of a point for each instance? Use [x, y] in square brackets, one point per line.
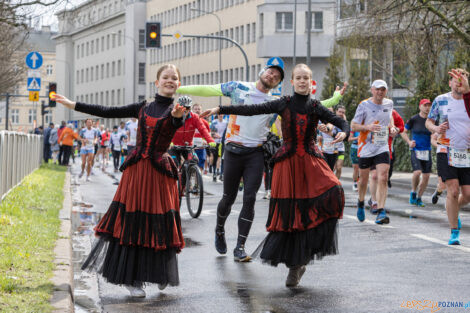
[377, 269]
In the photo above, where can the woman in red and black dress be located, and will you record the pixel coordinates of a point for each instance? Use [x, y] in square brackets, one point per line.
[306, 197]
[140, 234]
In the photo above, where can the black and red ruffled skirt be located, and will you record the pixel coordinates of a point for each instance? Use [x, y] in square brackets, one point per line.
[306, 202]
[140, 234]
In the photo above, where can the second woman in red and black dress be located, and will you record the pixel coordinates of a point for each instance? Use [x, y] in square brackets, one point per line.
[140, 234]
[306, 197]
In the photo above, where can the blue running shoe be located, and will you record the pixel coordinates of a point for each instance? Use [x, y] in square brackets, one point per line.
[420, 202]
[361, 214]
[382, 217]
[454, 237]
[373, 209]
[413, 198]
[220, 243]
[459, 224]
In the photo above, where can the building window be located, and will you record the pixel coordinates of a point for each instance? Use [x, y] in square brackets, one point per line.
[253, 29]
[119, 37]
[49, 69]
[317, 21]
[119, 67]
[48, 118]
[113, 69]
[32, 116]
[91, 73]
[284, 21]
[97, 45]
[15, 116]
[112, 97]
[113, 39]
[248, 34]
[87, 48]
[118, 100]
[107, 42]
[102, 43]
[261, 26]
[97, 72]
[78, 77]
[141, 98]
[107, 70]
[86, 75]
[92, 47]
[78, 52]
[141, 73]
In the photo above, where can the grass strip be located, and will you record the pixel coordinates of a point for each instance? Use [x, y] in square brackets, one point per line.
[29, 225]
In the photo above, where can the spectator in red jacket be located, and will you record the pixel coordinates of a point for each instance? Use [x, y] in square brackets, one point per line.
[198, 139]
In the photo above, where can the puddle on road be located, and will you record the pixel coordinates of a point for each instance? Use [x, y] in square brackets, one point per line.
[190, 243]
[85, 287]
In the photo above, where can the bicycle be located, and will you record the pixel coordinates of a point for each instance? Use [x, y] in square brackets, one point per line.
[190, 182]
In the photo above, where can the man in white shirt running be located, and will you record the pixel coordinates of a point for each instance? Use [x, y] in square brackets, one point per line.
[373, 119]
[454, 129]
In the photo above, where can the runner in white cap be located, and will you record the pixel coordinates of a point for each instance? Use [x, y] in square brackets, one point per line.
[373, 119]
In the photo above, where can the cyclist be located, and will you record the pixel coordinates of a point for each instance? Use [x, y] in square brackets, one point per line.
[185, 134]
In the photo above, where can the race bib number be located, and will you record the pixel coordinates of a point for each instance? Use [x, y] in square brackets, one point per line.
[197, 141]
[459, 157]
[422, 155]
[89, 144]
[328, 146]
[380, 137]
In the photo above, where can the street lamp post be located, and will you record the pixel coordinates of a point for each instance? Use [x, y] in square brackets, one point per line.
[220, 43]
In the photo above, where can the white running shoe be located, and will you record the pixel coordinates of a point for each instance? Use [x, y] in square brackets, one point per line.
[88, 178]
[81, 175]
[354, 187]
[267, 195]
[136, 292]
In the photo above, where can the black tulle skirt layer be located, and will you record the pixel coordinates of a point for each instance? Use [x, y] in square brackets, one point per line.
[299, 247]
[132, 265]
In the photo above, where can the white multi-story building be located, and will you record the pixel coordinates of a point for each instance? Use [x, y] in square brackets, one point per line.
[101, 54]
[263, 28]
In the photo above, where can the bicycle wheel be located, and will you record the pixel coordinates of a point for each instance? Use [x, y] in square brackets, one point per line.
[194, 191]
[180, 189]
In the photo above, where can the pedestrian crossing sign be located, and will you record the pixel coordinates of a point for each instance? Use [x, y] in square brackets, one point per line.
[34, 84]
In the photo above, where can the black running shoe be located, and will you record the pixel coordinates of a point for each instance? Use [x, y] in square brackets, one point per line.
[435, 196]
[239, 254]
[220, 243]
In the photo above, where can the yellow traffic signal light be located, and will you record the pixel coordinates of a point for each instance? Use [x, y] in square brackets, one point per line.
[153, 33]
[52, 92]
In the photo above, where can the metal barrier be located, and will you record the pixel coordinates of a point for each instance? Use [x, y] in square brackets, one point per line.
[20, 154]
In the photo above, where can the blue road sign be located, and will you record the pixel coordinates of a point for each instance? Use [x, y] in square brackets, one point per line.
[275, 61]
[34, 84]
[34, 60]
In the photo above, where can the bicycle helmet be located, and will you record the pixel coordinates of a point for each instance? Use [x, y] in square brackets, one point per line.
[185, 101]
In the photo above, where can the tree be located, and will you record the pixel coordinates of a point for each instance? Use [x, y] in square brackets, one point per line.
[12, 64]
[332, 78]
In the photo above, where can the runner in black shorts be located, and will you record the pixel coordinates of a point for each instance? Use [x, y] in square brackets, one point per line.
[453, 112]
[420, 153]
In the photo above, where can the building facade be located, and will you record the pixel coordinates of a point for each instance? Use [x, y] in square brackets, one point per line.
[24, 115]
[101, 54]
[263, 28]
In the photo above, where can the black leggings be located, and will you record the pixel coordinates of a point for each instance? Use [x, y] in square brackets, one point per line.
[331, 159]
[249, 166]
[67, 151]
[116, 159]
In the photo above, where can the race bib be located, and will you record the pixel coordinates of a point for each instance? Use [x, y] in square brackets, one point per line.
[89, 144]
[459, 157]
[422, 155]
[380, 137]
[328, 146]
[197, 141]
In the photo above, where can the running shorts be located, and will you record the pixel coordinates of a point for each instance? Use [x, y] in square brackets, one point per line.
[445, 171]
[420, 165]
[381, 158]
[87, 151]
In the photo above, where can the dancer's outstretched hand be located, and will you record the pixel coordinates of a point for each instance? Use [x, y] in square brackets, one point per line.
[64, 101]
[463, 80]
[339, 137]
[210, 112]
[178, 111]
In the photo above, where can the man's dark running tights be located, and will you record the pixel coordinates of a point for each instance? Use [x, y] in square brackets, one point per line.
[249, 166]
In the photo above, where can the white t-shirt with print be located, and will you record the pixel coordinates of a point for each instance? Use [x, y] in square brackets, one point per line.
[373, 143]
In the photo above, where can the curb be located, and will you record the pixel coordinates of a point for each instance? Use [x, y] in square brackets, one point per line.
[62, 296]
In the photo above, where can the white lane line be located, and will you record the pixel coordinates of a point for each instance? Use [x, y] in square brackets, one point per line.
[367, 221]
[424, 237]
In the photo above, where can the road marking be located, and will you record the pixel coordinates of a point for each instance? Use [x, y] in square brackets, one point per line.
[424, 237]
[367, 221]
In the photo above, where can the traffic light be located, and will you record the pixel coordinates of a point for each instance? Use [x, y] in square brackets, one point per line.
[152, 35]
[52, 92]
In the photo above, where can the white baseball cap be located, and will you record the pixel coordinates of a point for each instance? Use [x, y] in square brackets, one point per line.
[378, 83]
